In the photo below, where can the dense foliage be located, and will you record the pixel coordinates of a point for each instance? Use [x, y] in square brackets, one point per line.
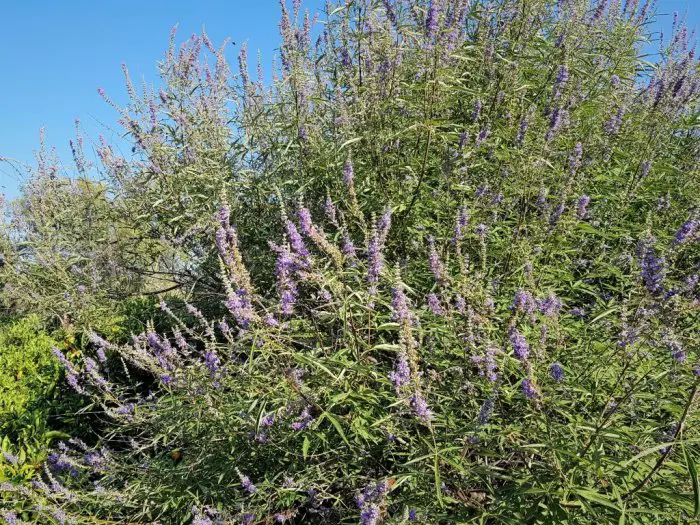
[442, 268]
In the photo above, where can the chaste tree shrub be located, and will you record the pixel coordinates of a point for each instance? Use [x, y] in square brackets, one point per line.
[462, 283]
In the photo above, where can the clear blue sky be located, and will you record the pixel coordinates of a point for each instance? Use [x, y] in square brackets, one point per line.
[54, 55]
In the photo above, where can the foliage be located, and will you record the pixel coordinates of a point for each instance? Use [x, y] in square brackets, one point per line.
[462, 284]
[27, 389]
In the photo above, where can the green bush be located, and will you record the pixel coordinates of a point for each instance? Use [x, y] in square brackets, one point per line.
[28, 389]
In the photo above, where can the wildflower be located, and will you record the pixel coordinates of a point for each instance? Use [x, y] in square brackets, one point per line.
[556, 371]
[460, 224]
[653, 266]
[561, 80]
[330, 210]
[689, 230]
[476, 113]
[369, 515]
[550, 306]
[348, 173]
[247, 485]
[436, 265]
[523, 302]
[9, 517]
[481, 137]
[295, 240]
[303, 421]
[520, 346]
[645, 169]
[431, 19]
[557, 118]
[286, 286]
[420, 407]
[575, 158]
[529, 388]
[401, 374]
[485, 411]
[10, 458]
[556, 215]
[482, 230]
[460, 304]
[581, 207]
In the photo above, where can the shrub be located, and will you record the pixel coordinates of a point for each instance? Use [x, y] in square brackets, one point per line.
[27, 389]
[462, 285]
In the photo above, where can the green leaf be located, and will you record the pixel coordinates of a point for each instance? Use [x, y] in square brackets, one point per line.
[692, 470]
[305, 447]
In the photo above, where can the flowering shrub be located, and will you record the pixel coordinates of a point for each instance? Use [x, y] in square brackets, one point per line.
[444, 270]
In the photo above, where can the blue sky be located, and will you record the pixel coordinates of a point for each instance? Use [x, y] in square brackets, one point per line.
[54, 55]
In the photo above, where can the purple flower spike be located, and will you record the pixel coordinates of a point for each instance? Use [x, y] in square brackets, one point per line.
[420, 407]
[529, 388]
[557, 372]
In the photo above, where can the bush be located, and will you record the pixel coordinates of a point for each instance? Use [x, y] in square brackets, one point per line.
[462, 285]
[27, 391]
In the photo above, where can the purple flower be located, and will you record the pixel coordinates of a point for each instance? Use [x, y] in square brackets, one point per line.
[460, 225]
[612, 126]
[689, 230]
[11, 458]
[645, 169]
[348, 173]
[577, 311]
[529, 388]
[303, 421]
[557, 372]
[582, 205]
[555, 216]
[485, 411]
[305, 221]
[10, 517]
[482, 230]
[520, 346]
[431, 20]
[575, 158]
[330, 210]
[295, 239]
[400, 305]
[561, 80]
[523, 302]
[401, 374]
[481, 137]
[420, 407]
[383, 226]
[211, 361]
[434, 261]
[522, 129]
[247, 484]
[556, 119]
[349, 248]
[460, 304]
[369, 515]
[550, 306]
[476, 113]
[653, 266]
[286, 286]
[267, 421]
[434, 304]
[270, 320]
